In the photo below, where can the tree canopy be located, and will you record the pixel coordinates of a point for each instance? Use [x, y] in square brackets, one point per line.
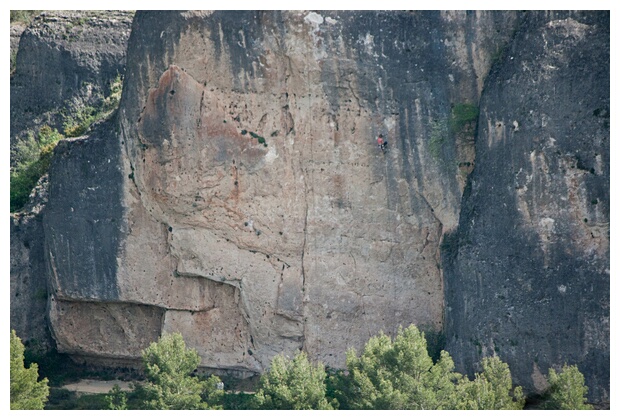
[27, 392]
[567, 390]
[293, 385]
[168, 365]
[490, 390]
[399, 374]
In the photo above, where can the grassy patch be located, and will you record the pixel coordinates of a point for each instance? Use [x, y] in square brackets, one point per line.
[24, 16]
[462, 115]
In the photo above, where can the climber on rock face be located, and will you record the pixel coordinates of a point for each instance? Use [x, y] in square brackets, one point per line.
[381, 142]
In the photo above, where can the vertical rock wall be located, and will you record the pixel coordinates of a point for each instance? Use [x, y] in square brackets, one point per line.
[29, 276]
[240, 198]
[532, 247]
[258, 214]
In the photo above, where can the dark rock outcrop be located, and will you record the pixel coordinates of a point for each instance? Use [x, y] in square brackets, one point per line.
[29, 275]
[84, 216]
[527, 271]
[66, 60]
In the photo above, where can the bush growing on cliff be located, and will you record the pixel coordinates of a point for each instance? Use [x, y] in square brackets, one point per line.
[567, 390]
[79, 121]
[461, 115]
[32, 157]
[168, 365]
[293, 385]
[27, 392]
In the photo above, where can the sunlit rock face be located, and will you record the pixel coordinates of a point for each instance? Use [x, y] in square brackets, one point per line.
[240, 197]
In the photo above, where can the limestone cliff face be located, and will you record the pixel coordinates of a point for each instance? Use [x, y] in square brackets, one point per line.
[259, 215]
[240, 198]
[532, 248]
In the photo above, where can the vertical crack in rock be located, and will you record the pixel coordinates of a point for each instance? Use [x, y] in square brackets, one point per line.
[304, 290]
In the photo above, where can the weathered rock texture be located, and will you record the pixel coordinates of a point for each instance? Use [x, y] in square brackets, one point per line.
[242, 201]
[16, 32]
[29, 275]
[527, 272]
[259, 215]
[65, 61]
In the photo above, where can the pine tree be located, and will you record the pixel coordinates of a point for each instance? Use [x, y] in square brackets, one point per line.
[397, 375]
[293, 385]
[168, 365]
[27, 393]
[567, 390]
[491, 389]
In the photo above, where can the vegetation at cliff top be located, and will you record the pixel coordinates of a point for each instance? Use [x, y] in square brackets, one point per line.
[27, 392]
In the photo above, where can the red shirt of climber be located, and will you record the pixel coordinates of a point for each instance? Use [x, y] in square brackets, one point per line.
[380, 140]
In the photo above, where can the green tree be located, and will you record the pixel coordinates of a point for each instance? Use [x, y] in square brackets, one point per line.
[168, 366]
[116, 399]
[27, 392]
[490, 390]
[293, 385]
[399, 374]
[567, 390]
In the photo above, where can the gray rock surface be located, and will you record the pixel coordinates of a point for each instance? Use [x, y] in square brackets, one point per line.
[250, 138]
[66, 60]
[527, 272]
[29, 275]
